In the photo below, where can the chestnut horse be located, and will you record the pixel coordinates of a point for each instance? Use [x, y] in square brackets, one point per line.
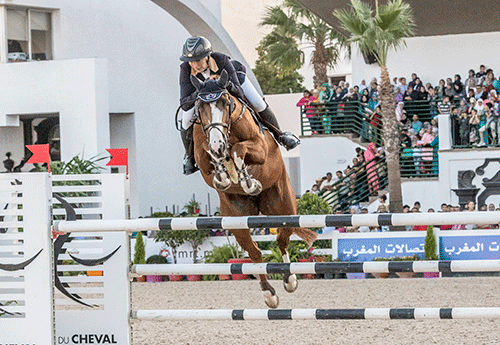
[244, 164]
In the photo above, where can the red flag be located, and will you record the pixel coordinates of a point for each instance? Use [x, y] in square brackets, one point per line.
[118, 157]
[40, 154]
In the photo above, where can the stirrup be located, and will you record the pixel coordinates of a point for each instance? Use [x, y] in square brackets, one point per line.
[189, 166]
[288, 140]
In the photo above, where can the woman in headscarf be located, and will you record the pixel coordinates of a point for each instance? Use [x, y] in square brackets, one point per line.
[400, 110]
[458, 87]
[371, 169]
[399, 95]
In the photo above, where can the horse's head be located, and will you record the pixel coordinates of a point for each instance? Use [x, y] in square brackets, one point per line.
[214, 108]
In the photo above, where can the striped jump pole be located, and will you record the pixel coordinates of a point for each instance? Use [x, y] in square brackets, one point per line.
[305, 221]
[321, 267]
[316, 314]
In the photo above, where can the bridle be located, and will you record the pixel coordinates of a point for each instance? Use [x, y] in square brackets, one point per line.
[220, 126]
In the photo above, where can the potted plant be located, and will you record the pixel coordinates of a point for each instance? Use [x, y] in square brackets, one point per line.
[237, 258]
[172, 238]
[430, 248]
[297, 251]
[196, 238]
[139, 254]
[155, 259]
[219, 255]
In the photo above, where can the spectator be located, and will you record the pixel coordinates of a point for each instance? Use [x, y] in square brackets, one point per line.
[473, 127]
[458, 87]
[362, 86]
[464, 129]
[416, 125]
[315, 189]
[471, 207]
[400, 110]
[310, 102]
[448, 91]
[482, 72]
[440, 88]
[402, 85]
[371, 157]
[481, 113]
[418, 227]
[444, 108]
[412, 83]
[328, 183]
[471, 81]
[399, 95]
[417, 205]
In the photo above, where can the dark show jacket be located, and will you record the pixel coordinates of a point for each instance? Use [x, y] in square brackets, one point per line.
[217, 62]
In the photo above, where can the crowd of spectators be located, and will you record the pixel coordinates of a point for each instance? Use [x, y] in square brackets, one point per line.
[382, 207]
[473, 106]
[353, 185]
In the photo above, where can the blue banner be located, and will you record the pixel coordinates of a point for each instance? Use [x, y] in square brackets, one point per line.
[367, 249]
[469, 247]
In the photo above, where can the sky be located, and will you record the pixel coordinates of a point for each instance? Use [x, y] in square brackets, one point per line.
[241, 20]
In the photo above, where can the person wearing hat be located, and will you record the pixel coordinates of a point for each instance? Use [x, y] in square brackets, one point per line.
[201, 61]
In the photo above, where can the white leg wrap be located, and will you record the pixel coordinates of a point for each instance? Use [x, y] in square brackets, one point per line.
[291, 283]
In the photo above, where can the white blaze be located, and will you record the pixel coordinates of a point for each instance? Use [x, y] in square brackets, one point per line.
[216, 137]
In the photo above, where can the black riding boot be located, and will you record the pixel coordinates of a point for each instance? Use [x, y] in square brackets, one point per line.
[287, 139]
[189, 165]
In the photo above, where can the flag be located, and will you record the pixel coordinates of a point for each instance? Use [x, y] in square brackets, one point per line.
[118, 157]
[40, 154]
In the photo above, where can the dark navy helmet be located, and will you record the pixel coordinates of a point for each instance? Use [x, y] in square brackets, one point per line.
[196, 48]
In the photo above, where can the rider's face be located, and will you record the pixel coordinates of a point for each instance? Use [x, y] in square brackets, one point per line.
[200, 65]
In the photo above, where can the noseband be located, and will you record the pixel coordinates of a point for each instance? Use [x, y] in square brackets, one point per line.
[221, 125]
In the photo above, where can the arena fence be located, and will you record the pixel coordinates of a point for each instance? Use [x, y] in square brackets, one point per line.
[97, 308]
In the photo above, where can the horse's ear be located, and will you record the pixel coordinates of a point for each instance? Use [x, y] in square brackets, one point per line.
[222, 81]
[197, 83]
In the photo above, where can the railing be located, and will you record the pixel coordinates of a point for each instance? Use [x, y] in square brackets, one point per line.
[419, 162]
[353, 118]
[357, 186]
[484, 134]
[341, 118]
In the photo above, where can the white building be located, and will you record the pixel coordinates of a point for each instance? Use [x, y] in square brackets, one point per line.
[108, 76]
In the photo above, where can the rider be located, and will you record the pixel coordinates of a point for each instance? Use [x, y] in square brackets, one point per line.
[199, 60]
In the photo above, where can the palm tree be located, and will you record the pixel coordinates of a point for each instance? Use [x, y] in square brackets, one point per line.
[376, 33]
[292, 24]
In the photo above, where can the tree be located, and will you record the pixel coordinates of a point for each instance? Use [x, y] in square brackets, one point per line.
[271, 81]
[291, 24]
[376, 33]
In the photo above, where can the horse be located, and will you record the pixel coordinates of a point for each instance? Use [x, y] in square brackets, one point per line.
[243, 163]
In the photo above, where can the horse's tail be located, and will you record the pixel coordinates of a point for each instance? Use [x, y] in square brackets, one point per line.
[307, 235]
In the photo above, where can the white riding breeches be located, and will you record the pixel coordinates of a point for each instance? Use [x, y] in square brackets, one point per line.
[251, 94]
[187, 118]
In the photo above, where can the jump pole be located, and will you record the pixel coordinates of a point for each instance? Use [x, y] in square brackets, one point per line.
[321, 267]
[316, 314]
[305, 221]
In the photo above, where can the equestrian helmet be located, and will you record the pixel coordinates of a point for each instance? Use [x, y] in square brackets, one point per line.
[196, 48]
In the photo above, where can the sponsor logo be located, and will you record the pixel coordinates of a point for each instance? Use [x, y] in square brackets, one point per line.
[88, 339]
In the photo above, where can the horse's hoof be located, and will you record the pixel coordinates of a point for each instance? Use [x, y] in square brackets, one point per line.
[222, 184]
[272, 301]
[290, 283]
[255, 189]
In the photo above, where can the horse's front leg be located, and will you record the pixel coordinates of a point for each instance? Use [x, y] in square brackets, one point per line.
[252, 153]
[221, 180]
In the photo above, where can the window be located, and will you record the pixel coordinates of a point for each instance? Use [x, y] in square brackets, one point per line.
[29, 35]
